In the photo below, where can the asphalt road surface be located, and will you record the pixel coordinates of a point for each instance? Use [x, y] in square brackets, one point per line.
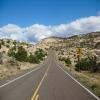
[46, 82]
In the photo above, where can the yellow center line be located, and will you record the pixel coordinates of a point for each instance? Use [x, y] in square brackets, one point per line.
[35, 97]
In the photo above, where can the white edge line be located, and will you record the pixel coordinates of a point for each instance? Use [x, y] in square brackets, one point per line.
[19, 77]
[79, 83]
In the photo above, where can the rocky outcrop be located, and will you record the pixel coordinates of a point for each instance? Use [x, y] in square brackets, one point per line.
[5, 58]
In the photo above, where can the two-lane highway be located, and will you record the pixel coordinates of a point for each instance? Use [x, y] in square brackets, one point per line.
[47, 82]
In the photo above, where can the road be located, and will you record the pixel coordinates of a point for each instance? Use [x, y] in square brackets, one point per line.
[47, 82]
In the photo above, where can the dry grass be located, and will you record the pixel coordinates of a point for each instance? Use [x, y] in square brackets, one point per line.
[8, 70]
[91, 80]
[88, 79]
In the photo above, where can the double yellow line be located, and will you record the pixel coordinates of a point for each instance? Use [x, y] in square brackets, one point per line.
[36, 95]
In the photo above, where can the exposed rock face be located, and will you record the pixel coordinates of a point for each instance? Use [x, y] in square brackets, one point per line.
[5, 59]
[91, 40]
[66, 47]
[8, 64]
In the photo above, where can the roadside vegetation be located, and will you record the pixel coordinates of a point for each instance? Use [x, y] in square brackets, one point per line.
[22, 55]
[38, 56]
[66, 60]
[18, 56]
[81, 56]
[86, 70]
[88, 64]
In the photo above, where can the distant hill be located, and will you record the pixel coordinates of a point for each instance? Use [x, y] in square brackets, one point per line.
[65, 47]
[89, 39]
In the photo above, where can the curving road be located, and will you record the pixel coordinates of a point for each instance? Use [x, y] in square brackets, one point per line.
[47, 82]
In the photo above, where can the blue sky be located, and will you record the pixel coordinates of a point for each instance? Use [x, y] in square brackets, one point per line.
[33, 20]
[47, 12]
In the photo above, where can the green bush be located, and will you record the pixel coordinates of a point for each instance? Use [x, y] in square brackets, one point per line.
[7, 46]
[33, 59]
[37, 57]
[8, 41]
[97, 45]
[93, 86]
[40, 54]
[11, 52]
[68, 61]
[0, 46]
[21, 54]
[89, 64]
[83, 64]
[62, 58]
[14, 42]
[2, 42]
[62, 52]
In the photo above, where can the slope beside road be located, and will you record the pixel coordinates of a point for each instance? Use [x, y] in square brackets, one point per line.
[47, 82]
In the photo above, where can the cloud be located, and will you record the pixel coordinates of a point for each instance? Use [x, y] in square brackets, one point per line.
[99, 13]
[37, 32]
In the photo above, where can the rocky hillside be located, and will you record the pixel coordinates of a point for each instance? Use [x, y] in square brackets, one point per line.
[91, 39]
[67, 47]
[85, 46]
[90, 44]
[17, 56]
[49, 42]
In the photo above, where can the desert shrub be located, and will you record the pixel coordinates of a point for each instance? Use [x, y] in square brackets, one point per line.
[33, 59]
[68, 61]
[40, 54]
[98, 67]
[1, 58]
[93, 86]
[21, 54]
[7, 46]
[11, 52]
[14, 42]
[37, 57]
[62, 52]
[2, 42]
[8, 41]
[83, 64]
[97, 45]
[0, 46]
[62, 58]
[89, 64]
[95, 67]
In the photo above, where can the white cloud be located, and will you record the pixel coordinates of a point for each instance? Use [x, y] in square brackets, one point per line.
[37, 32]
[10, 28]
[99, 13]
